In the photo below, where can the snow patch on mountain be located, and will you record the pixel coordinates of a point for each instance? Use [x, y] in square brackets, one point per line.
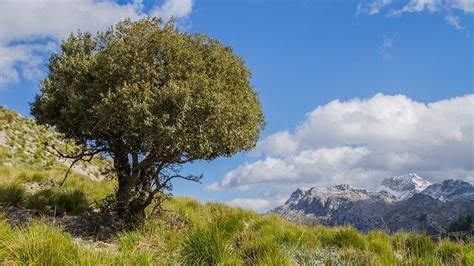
[405, 186]
[451, 191]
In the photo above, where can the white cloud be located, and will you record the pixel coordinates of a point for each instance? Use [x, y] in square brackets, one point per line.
[374, 8]
[22, 61]
[387, 45]
[280, 143]
[28, 19]
[420, 5]
[416, 6]
[255, 204]
[453, 21]
[173, 8]
[362, 141]
[464, 5]
[33, 20]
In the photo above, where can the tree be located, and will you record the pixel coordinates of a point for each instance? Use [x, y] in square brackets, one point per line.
[152, 98]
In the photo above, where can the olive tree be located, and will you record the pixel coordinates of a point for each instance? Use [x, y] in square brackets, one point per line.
[151, 98]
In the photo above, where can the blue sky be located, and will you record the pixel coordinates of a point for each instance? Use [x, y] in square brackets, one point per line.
[396, 58]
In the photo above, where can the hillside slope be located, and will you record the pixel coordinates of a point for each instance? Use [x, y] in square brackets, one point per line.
[23, 142]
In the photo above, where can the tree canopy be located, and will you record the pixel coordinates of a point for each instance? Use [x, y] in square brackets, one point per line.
[152, 98]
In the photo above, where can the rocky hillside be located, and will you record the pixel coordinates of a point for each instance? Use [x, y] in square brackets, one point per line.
[400, 203]
[23, 142]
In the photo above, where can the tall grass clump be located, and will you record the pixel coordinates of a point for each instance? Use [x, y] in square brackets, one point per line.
[206, 246]
[38, 244]
[12, 195]
[449, 252]
[348, 237]
[69, 201]
[468, 254]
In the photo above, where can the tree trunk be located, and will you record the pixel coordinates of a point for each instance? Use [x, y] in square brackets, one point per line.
[133, 189]
[123, 198]
[131, 199]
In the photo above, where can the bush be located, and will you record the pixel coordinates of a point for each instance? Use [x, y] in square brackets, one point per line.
[464, 223]
[12, 195]
[73, 202]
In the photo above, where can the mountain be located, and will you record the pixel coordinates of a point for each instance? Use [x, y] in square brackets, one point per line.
[404, 186]
[451, 191]
[23, 144]
[406, 202]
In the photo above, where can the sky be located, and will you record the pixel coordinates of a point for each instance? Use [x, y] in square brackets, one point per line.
[352, 91]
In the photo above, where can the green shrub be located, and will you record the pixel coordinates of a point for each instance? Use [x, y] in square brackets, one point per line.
[464, 223]
[43, 200]
[72, 202]
[12, 195]
[205, 246]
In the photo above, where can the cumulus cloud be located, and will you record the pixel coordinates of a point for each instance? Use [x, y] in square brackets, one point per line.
[173, 8]
[259, 204]
[415, 6]
[255, 204]
[279, 143]
[31, 20]
[362, 141]
[22, 61]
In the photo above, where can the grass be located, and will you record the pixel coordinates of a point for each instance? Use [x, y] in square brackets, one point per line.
[12, 195]
[71, 202]
[214, 234]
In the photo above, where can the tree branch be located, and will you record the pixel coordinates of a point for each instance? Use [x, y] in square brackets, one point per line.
[76, 157]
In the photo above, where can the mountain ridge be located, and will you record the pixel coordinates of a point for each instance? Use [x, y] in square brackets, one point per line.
[407, 202]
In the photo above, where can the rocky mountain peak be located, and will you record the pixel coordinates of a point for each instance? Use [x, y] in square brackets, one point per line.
[451, 191]
[406, 202]
[296, 195]
[404, 186]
